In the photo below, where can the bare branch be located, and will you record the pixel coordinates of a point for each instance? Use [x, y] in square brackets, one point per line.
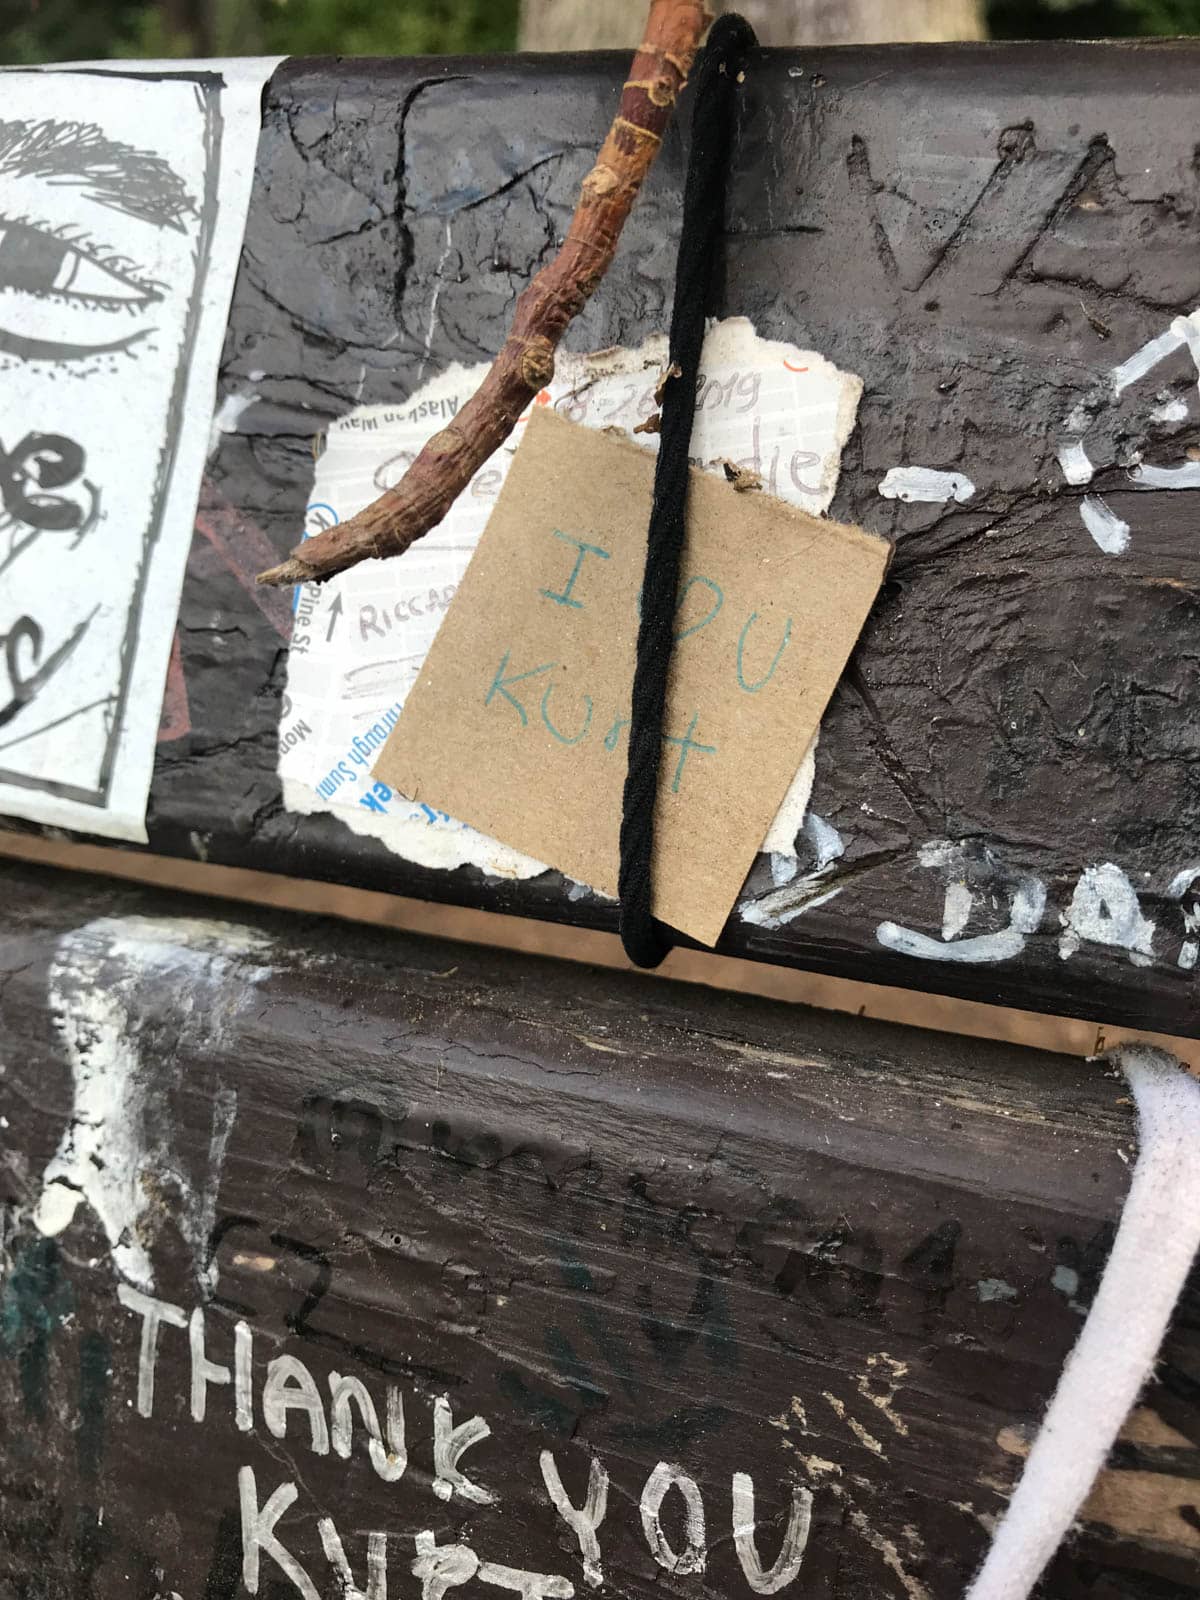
[526, 362]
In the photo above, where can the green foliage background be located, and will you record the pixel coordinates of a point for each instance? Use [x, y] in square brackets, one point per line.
[1090, 19]
[63, 30]
[73, 30]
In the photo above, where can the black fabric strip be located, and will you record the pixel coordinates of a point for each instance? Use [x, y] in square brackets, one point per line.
[647, 941]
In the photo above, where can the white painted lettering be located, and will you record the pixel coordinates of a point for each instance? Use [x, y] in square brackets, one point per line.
[290, 1387]
[449, 1444]
[152, 1312]
[388, 1460]
[439, 1569]
[967, 873]
[584, 1520]
[243, 1354]
[795, 1540]
[692, 1558]
[204, 1371]
[529, 1585]
[258, 1535]
[1104, 910]
[335, 1554]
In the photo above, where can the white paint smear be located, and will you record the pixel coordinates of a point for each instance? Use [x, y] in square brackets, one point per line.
[1176, 890]
[796, 893]
[1104, 525]
[1108, 530]
[1080, 419]
[361, 639]
[789, 819]
[226, 418]
[784, 868]
[995, 1289]
[583, 1520]
[1183, 881]
[926, 485]
[1170, 411]
[117, 1153]
[692, 1556]
[1185, 476]
[1184, 331]
[106, 400]
[1188, 329]
[1073, 459]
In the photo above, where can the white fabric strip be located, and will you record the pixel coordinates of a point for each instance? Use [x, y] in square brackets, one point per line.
[1156, 1242]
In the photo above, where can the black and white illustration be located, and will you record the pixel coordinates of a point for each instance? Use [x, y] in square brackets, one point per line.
[122, 208]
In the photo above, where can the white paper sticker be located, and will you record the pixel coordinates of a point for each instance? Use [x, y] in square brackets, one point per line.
[123, 199]
[360, 640]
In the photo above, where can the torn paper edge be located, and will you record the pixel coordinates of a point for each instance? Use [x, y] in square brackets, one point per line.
[727, 343]
[444, 849]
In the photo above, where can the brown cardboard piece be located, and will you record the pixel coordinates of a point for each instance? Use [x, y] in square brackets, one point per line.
[518, 721]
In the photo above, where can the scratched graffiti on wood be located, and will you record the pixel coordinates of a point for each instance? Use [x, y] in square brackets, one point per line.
[512, 1275]
[1007, 282]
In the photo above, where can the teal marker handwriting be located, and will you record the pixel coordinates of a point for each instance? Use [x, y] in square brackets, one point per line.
[584, 551]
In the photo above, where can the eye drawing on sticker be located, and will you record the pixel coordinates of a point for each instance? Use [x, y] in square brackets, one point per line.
[109, 204]
[80, 217]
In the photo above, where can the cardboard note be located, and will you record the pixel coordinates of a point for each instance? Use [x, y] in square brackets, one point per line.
[360, 640]
[518, 722]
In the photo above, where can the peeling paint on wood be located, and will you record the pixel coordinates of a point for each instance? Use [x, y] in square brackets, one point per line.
[722, 1271]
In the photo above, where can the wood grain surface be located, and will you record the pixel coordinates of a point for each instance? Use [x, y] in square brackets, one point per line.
[641, 1224]
[983, 233]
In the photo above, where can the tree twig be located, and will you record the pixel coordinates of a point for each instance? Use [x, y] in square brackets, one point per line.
[525, 364]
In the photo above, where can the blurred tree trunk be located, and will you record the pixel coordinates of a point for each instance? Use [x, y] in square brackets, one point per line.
[191, 26]
[599, 24]
[205, 28]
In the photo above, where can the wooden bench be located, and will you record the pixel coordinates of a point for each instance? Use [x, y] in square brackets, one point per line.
[641, 1223]
[263, 1171]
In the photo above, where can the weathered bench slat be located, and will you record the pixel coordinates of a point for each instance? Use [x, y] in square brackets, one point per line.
[984, 250]
[648, 1224]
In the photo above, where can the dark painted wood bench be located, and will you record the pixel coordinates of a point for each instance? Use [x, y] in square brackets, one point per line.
[696, 1238]
[625, 1222]
[939, 220]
